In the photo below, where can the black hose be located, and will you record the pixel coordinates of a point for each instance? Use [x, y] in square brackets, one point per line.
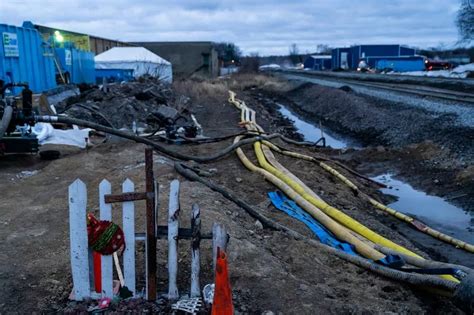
[158, 147]
[414, 279]
[215, 139]
[6, 118]
[190, 173]
[154, 132]
[325, 159]
[92, 111]
[197, 141]
[420, 262]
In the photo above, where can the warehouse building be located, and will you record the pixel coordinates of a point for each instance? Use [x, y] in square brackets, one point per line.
[188, 58]
[81, 41]
[349, 57]
[318, 62]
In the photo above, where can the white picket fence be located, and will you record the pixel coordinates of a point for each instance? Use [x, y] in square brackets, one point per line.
[81, 261]
[81, 254]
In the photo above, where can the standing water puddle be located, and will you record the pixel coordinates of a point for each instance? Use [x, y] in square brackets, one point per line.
[432, 210]
[309, 131]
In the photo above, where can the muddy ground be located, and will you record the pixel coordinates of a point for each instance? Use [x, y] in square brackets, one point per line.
[268, 270]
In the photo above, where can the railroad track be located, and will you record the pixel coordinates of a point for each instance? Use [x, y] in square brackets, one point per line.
[422, 91]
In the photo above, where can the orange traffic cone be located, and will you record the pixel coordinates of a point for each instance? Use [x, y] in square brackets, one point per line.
[222, 304]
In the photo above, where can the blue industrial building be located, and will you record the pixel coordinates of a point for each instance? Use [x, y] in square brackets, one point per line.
[25, 58]
[342, 59]
[349, 57]
[318, 62]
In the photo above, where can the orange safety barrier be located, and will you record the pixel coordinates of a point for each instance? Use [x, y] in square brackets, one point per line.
[222, 304]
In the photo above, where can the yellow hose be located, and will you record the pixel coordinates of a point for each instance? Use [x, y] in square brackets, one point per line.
[326, 208]
[420, 226]
[343, 234]
[302, 191]
[307, 201]
[334, 213]
[271, 158]
[362, 246]
[423, 228]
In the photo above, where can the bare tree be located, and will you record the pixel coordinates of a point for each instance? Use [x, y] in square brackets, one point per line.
[294, 53]
[323, 49]
[465, 21]
[158, 71]
[250, 63]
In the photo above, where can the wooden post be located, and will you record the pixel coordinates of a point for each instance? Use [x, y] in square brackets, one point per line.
[173, 226]
[195, 252]
[78, 239]
[150, 247]
[219, 239]
[157, 205]
[105, 87]
[129, 233]
[106, 261]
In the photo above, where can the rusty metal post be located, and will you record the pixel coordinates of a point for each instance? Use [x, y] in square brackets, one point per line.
[150, 227]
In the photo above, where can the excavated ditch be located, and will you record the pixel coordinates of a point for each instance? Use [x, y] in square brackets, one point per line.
[433, 210]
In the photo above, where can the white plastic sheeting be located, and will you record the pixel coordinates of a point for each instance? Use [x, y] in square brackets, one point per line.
[139, 59]
[47, 134]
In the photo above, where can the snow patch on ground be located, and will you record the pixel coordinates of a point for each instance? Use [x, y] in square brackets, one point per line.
[271, 66]
[460, 72]
[26, 174]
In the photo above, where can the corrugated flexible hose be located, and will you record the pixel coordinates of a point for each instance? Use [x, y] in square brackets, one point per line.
[420, 226]
[6, 118]
[300, 194]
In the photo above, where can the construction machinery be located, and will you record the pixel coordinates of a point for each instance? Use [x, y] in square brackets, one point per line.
[17, 118]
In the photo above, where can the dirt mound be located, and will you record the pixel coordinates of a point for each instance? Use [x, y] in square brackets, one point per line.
[377, 122]
[120, 105]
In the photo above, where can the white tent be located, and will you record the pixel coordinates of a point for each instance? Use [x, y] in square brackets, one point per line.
[139, 59]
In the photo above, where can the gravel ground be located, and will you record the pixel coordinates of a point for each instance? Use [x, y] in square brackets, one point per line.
[376, 121]
[464, 113]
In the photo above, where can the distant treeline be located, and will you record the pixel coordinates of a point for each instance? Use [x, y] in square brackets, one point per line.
[446, 53]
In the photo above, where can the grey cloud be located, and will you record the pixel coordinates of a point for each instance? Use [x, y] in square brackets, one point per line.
[267, 27]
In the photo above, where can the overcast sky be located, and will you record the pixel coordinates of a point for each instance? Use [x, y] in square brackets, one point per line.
[263, 26]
